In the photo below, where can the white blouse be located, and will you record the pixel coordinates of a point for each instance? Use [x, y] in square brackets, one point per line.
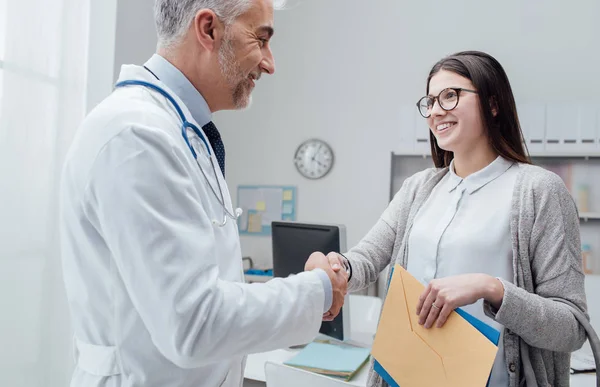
[463, 227]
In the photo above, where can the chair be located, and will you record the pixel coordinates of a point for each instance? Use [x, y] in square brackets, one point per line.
[364, 313]
[279, 375]
[364, 317]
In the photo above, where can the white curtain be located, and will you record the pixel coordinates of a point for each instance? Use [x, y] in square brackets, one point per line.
[43, 57]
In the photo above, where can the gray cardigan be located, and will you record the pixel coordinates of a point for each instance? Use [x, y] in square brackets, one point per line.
[547, 264]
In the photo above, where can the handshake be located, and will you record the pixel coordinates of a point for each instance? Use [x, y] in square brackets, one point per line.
[333, 265]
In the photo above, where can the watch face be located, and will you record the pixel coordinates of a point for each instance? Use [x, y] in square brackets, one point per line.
[314, 159]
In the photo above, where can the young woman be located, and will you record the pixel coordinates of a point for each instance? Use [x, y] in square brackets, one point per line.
[485, 230]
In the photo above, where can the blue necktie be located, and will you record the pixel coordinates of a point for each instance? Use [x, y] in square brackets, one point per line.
[214, 137]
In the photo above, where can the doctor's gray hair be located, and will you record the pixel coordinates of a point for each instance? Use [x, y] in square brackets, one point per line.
[173, 17]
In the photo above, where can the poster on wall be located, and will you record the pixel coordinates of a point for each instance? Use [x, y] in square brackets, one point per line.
[263, 205]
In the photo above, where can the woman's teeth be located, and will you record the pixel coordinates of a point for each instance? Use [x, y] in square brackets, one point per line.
[445, 126]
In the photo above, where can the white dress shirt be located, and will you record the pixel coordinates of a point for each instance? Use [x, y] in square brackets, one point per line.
[463, 227]
[181, 86]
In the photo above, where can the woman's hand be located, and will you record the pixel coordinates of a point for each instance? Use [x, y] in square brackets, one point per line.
[444, 295]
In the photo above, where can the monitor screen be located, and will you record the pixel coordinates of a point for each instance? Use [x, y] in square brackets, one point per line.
[293, 243]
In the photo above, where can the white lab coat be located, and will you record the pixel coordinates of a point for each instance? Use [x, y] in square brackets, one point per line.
[155, 289]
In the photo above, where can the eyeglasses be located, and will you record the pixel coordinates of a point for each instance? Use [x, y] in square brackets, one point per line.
[448, 100]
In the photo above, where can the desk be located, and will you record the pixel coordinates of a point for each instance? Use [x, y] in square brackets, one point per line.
[583, 380]
[255, 368]
[364, 314]
[254, 374]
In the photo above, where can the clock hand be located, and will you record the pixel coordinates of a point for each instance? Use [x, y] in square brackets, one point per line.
[316, 152]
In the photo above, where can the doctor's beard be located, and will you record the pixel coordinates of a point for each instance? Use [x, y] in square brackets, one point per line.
[237, 81]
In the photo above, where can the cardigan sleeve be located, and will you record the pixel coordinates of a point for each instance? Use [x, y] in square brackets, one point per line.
[374, 252]
[549, 248]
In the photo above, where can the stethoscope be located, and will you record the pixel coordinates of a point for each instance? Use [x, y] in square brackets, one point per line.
[184, 128]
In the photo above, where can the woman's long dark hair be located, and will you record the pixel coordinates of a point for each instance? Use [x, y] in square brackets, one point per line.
[493, 89]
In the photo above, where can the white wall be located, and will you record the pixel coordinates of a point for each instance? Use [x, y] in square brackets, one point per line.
[136, 34]
[101, 61]
[344, 67]
[121, 32]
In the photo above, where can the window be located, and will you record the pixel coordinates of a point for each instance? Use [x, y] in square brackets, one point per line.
[3, 12]
[1, 88]
[43, 56]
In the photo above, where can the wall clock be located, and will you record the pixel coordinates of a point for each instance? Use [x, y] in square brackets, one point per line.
[314, 159]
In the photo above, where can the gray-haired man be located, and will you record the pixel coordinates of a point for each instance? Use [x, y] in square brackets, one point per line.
[152, 260]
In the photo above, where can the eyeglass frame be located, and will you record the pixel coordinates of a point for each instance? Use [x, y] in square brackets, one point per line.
[458, 90]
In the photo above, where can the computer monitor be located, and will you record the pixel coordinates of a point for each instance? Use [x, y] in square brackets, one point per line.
[293, 243]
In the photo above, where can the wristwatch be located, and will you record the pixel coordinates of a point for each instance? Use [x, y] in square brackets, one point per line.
[347, 266]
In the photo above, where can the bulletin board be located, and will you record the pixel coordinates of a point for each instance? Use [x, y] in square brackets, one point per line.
[263, 205]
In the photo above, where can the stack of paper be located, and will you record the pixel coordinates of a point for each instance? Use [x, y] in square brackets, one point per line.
[582, 362]
[337, 360]
[460, 354]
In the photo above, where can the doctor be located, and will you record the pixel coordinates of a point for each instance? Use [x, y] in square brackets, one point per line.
[151, 254]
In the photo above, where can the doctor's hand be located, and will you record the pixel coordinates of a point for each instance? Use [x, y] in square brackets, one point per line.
[444, 295]
[338, 278]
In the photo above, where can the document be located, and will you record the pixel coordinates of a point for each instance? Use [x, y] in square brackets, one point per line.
[408, 355]
[337, 360]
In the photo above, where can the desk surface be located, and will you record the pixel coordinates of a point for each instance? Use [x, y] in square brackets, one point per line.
[255, 369]
[255, 366]
[583, 380]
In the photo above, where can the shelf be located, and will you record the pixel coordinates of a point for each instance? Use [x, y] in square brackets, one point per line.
[584, 156]
[588, 216]
[591, 155]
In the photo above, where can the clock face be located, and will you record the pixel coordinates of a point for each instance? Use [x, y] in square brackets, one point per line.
[314, 159]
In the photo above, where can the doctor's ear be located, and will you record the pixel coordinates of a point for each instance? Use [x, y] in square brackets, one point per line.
[208, 29]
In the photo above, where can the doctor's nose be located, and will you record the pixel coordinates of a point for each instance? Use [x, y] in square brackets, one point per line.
[268, 63]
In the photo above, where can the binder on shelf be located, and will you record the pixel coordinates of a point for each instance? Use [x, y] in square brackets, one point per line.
[561, 127]
[532, 117]
[588, 127]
